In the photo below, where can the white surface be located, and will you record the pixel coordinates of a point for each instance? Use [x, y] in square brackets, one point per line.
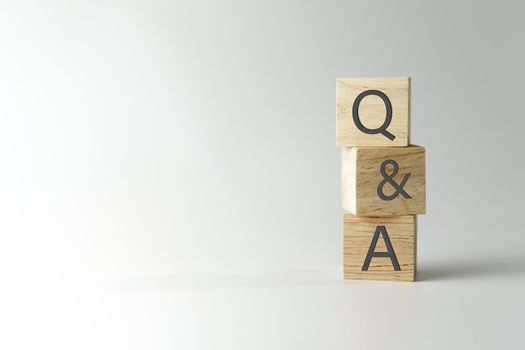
[169, 176]
[455, 305]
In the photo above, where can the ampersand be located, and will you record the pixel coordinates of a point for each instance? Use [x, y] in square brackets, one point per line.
[390, 179]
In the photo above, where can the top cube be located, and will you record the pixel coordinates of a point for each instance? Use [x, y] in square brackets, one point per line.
[372, 112]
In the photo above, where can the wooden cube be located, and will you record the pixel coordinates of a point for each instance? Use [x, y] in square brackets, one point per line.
[372, 112]
[379, 248]
[383, 181]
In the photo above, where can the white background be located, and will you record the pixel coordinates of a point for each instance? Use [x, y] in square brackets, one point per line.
[169, 177]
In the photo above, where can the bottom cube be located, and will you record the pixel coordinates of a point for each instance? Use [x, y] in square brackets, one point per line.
[379, 248]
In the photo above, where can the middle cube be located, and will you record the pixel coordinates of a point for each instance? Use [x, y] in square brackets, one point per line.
[383, 181]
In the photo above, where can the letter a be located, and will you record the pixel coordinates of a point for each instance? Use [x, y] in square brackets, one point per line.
[373, 254]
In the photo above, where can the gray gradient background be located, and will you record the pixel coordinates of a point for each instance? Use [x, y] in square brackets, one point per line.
[170, 177]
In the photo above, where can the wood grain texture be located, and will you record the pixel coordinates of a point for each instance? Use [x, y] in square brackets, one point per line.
[361, 176]
[358, 233]
[372, 111]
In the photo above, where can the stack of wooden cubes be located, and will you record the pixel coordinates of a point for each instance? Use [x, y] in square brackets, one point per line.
[383, 178]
